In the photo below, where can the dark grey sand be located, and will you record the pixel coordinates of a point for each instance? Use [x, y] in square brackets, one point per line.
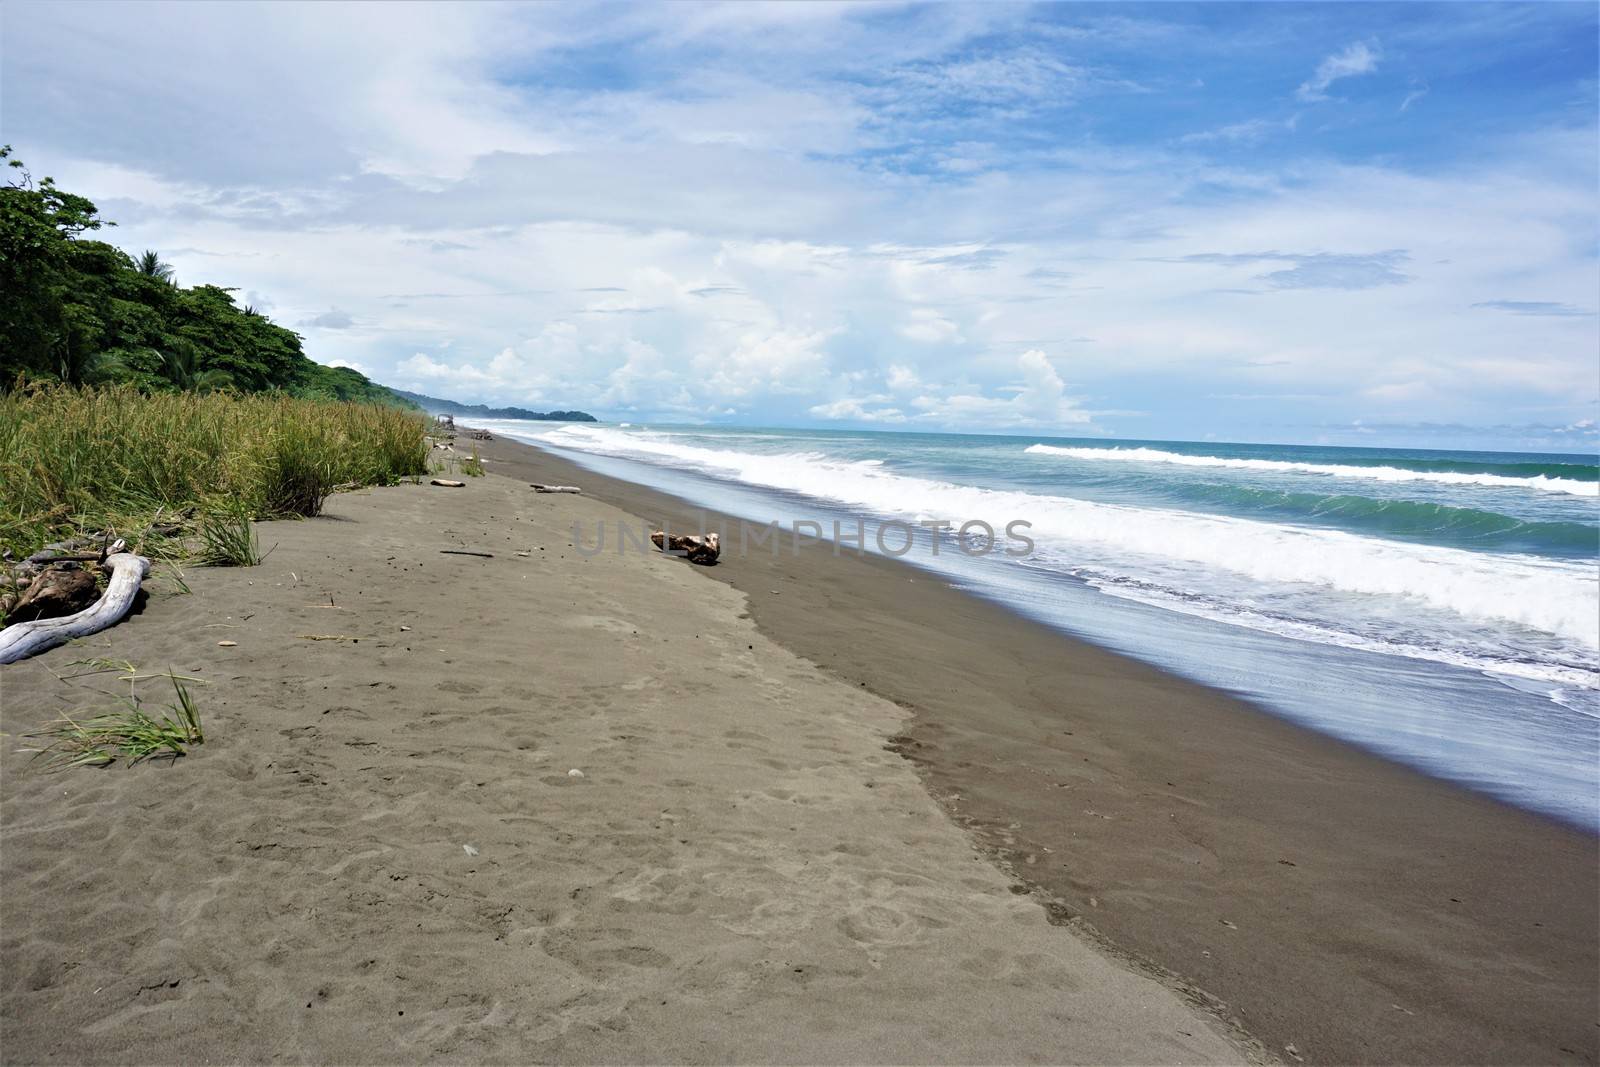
[749, 869]
[1336, 902]
[379, 854]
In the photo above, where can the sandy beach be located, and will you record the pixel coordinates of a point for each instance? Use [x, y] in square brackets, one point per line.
[830, 810]
[382, 854]
[1127, 480]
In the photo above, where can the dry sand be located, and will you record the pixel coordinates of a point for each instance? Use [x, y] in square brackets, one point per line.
[379, 854]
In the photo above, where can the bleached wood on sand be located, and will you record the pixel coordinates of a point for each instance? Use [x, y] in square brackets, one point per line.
[29, 638]
[537, 488]
[696, 549]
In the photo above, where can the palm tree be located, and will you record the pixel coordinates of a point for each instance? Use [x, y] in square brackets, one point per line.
[180, 365]
[150, 266]
[89, 368]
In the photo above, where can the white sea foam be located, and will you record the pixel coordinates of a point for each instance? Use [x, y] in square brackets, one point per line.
[1578, 680]
[1178, 550]
[1538, 482]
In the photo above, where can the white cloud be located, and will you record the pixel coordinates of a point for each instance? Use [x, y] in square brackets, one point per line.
[1251, 131]
[856, 411]
[1040, 401]
[902, 378]
[926, 324]
[1356, 59]
[1412, 97]
[787, 231]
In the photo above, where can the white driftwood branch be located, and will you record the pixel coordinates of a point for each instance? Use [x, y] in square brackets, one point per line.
[25, 639]
[537, 488]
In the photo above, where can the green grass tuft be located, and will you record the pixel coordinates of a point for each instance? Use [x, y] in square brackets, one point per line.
[227, 539]
[129, 733]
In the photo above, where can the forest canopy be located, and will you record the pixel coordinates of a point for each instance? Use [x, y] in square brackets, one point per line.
[82, 311]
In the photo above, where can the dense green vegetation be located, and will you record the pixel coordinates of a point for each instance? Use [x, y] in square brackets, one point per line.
[115, 458]
[435, 405]
[81, 311]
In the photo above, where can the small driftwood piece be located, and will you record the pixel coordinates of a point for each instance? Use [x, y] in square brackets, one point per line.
[71, 557]
[29, 638]
[702, 550]
[466, 552]
[448, 483]
[537, 488]
[55, 594]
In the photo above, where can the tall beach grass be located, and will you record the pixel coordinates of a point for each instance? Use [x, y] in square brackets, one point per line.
[73, 460]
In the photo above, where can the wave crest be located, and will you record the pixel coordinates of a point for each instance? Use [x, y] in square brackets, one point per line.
[1540, 482]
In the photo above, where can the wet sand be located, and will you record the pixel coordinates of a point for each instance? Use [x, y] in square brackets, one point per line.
[1340, 907]
[380, 854]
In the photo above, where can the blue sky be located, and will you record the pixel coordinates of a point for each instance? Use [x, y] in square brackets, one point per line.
[1352, 223]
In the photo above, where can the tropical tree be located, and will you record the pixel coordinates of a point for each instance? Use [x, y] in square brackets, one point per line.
[180, 365]
[82, 311]
[150, 266]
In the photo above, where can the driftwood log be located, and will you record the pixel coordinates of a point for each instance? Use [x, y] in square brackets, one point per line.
[56, 593]
[537, 488]
[702, 550]
[29, 638]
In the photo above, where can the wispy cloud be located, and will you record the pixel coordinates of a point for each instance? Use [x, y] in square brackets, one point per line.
[998, 77]
[1249, 132]
[1318, 270]
[1355, 59]
[1535, 307]
[978, 259]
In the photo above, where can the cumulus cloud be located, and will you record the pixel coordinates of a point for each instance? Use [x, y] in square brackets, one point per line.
[849, 213]
[1039, 402]
[852, 410]
[1030, 394]
[332, 319]
[926, 324]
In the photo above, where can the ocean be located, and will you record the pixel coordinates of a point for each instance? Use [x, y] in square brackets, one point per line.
[1441, 609]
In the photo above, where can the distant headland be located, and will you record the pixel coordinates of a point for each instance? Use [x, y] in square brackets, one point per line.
[435, 406]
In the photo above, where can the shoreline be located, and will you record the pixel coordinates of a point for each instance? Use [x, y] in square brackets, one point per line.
[1104, 786]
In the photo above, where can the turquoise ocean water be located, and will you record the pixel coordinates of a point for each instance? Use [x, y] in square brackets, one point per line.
[1439, 608]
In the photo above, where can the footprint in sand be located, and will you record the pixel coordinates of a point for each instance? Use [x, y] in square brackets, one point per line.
[876, 924]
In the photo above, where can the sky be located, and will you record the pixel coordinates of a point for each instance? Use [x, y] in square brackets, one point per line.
[1348, 223]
